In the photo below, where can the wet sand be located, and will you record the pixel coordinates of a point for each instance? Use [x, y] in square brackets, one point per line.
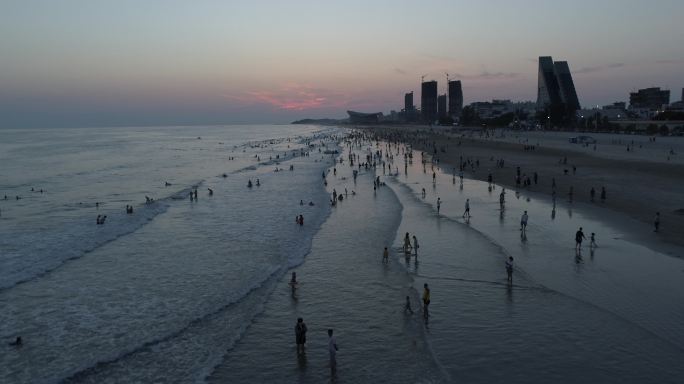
[634, 186]
[344, 285]
[607, 314]
[610, 315]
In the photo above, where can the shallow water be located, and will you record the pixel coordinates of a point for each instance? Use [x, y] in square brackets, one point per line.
[613, 314]
[198, 291]
[345, 286]
[154, 296]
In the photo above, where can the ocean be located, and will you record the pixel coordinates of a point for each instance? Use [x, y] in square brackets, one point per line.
[196, 291]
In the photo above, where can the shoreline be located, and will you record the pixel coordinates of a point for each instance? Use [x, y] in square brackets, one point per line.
[637, 189]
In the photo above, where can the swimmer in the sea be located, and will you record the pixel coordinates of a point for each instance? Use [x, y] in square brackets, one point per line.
[17, 342]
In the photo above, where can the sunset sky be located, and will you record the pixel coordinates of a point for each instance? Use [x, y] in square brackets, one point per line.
[138, 62]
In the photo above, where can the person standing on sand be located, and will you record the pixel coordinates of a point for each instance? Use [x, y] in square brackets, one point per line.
[579, 236]
[523, 222]
[502, 198]
[466, 213]
[415, 244]
[439, 204]
[509, 269]
[656, 222]
[332, 349]
[592, 193]
[593, 244]
[407, 244]
[300, 335]
[385, 256]
[603, 194]
[426, 300]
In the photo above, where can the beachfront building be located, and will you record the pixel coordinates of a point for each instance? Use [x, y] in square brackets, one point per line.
[648, 102]
[428, 101]
[611, 112]
[408, 101]
[619, 105]
[615, 111]
[649, 98]
[566, 85]
[455, 98]
[491, 109]
[364, 118]
[409, 113]
[556, 93]
[442, 107]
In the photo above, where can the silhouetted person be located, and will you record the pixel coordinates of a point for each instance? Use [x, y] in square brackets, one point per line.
[332, 349]
[300, 335]
[17, 342]
[509, 269]
[426, 300]
[407, 306]
[579, 236]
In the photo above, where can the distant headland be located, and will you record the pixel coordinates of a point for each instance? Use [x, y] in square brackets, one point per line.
[321, 121]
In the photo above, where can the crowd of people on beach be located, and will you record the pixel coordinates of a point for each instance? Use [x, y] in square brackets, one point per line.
[407, 140]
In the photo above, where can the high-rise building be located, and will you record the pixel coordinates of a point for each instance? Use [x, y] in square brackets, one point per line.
[548, 91]
[408, 102]
[649, 98]
[428, 101]
[555, 87]
[442, 106]
[566, 85]
[455, 98]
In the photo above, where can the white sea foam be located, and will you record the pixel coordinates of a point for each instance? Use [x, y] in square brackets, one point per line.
[103, 296]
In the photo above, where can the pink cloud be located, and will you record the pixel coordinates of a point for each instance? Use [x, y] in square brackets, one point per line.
[293, 97]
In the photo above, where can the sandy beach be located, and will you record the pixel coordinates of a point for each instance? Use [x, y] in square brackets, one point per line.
[638, 183]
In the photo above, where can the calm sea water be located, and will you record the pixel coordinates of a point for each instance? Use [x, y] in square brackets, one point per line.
[198, 291]
[163, 292]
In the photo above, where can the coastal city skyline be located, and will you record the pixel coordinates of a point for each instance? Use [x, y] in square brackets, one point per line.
[81, 64]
